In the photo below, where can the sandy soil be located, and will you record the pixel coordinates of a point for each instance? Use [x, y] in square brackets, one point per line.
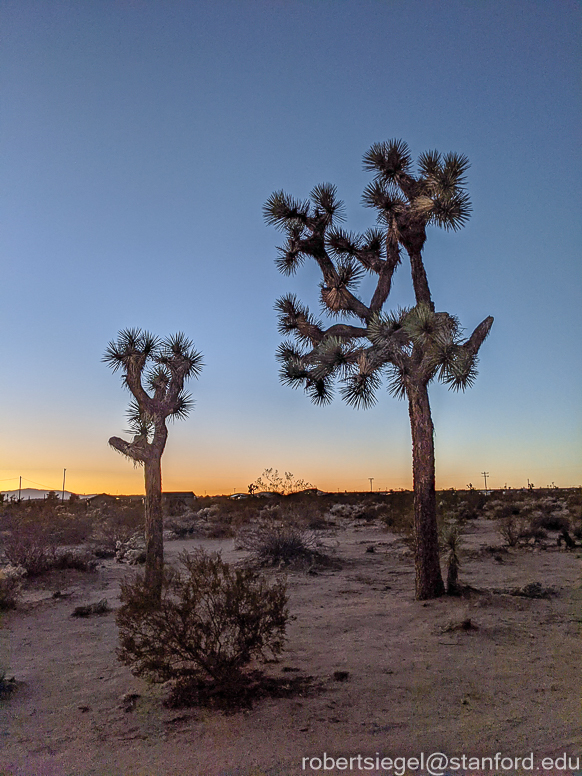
[510, 685]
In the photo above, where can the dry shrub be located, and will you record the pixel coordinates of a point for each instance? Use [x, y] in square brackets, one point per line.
[223, 517]
[34, 549]
[115, 523]
[10, 585]
[183, 526]
[67, 524]
[304, 510]
[212, 620]
[513, 529]
[279, 545]
[398, 512]
[550, 522]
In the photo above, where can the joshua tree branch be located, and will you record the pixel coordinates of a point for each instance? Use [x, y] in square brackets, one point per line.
[477, 338]
[133, 379]
[384, 283]
[345, 331]
[137, 451]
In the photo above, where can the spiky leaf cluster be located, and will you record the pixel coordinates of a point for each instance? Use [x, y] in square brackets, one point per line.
[436, 195]
[409, 347]
[154, 371]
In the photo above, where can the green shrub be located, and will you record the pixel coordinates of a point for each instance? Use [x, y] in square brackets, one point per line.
[212, 620]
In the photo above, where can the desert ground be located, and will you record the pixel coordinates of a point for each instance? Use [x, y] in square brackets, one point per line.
[369, 670]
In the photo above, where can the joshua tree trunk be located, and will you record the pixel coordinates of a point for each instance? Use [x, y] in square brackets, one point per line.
[167, 364]
[429, 581]
[154, 525]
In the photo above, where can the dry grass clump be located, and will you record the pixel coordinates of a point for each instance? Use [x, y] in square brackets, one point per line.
[212, 620]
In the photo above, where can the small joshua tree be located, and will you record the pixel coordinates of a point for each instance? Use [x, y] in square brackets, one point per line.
[410, 347]
[163, 365]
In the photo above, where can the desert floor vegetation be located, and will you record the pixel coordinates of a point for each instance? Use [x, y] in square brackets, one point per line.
[364, 667]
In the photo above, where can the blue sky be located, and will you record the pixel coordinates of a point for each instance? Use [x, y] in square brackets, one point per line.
[141, 140]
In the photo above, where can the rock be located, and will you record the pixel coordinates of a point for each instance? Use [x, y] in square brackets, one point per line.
[101, 607]
[341, 676]
[128, 701]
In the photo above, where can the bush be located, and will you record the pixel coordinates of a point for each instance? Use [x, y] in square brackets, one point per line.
[211, 622]
[115, 523]
[513, 528]
[10, 585]
[552, 522]
[35, 550]
[279, 545]
[30, 548]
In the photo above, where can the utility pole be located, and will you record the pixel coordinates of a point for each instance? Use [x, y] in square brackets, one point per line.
[19, 488]
[485, 475]
[371, 481]
[63, 497]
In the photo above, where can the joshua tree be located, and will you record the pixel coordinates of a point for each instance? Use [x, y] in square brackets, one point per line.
[410, 347]
[163, 365]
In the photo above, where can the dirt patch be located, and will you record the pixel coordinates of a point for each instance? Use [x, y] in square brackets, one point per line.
[367, 669]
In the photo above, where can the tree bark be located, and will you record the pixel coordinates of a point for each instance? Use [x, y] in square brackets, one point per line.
[154, 525]
[420, 280]
[429, 581]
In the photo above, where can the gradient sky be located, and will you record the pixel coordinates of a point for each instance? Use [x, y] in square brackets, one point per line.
[141, 139]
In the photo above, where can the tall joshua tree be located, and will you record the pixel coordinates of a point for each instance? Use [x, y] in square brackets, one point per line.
[410, 347]
[162, 366]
